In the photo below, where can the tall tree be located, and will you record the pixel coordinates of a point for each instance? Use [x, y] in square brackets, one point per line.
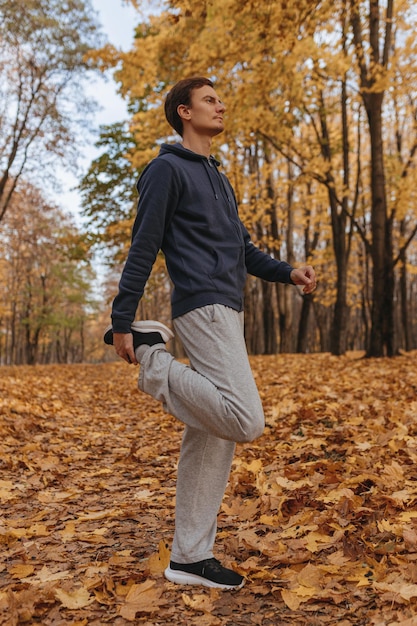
[374, 47]
[43, 47]
[373, 56]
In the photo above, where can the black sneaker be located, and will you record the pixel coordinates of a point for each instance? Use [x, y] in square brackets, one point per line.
[209, 573]
[144, 333]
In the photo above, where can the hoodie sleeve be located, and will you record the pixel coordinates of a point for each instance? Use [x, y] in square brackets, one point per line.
[159, 191]
[262, 265]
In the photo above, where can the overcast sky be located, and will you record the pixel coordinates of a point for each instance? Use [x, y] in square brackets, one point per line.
[118, 21]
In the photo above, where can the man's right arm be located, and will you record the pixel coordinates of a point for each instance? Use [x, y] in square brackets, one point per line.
[156, 202]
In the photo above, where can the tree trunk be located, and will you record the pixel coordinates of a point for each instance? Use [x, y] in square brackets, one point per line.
[371, 69]
[269, 321]
[338, 341]
[382, 313]
[285, 298]
[303, 330]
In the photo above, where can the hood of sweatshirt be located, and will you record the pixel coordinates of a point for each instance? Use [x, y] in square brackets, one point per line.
[179, 150]
[210, 167]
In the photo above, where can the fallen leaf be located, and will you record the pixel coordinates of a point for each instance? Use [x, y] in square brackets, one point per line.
[159, 561]
[198, 602]
[77, 599]
[21, 570]
[142, 598]
[400, 589]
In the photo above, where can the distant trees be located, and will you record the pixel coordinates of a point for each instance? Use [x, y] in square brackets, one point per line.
[46, 281]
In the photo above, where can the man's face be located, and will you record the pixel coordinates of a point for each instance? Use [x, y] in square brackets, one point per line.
[206, 111]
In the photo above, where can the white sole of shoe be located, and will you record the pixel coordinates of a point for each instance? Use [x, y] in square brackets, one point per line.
[150, 326]
[184, 578]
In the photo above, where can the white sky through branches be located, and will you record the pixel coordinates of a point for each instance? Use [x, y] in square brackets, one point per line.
[118, 22]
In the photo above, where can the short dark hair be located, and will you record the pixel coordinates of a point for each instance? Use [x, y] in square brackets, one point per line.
[181, 94]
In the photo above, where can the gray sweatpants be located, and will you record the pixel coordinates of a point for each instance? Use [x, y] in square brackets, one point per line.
[217, 400]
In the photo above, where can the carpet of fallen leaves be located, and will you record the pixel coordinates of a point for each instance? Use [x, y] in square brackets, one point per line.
[320, 513]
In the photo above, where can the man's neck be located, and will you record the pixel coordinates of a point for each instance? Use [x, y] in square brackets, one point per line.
[198, 144]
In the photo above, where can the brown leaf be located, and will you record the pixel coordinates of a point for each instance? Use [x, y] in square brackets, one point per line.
[159, 561]
[21, 570]
[142, 598]
[76, 599]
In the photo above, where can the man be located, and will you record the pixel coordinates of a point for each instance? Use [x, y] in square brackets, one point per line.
[187, 208]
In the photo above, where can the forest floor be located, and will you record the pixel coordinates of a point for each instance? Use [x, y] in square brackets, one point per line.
[320, 513]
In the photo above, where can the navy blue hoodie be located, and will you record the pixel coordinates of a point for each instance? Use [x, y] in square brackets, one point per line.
[188, 210]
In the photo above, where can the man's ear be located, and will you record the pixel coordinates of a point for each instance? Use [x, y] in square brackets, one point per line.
[183, 111]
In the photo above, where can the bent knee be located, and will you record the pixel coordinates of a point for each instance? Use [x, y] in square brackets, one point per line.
[251, 431]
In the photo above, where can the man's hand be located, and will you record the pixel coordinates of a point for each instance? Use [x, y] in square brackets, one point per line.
[304, 276]
[123, 344]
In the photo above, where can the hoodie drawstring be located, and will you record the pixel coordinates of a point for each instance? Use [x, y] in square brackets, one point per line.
[207, 162]
[212, 163]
